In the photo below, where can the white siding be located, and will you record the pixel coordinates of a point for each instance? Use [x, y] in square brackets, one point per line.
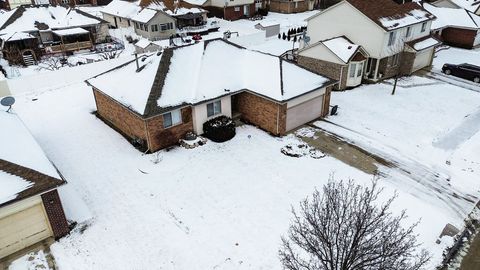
[200, 113]
[229, 3]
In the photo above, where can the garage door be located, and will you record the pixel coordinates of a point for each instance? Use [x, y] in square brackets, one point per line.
[304, 112]
[422, 59]
[23, 229]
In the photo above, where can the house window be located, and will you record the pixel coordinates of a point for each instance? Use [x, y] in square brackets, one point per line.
[424, 27]
[154, 28]
[214, 108]
[170, 25]
[409, 32]
[391, 38]
[120, 19]
[395, 59]
[172, 118]
[128, 21]
[353, 67]
[236, 9]
[360, 69]
[137, 25]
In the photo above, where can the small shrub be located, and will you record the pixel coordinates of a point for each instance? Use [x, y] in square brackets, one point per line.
[279, 36]
[284, 37]
[219, 129]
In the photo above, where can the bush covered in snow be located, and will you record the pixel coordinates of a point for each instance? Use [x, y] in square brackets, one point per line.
[219, 129]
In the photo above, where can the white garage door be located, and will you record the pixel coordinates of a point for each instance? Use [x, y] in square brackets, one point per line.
[23, 229]
[422, 59]
[304, 112]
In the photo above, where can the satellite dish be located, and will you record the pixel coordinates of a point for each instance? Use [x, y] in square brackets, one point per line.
[7, 102]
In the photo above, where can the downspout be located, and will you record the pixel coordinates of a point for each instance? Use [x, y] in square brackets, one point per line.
[278, 116]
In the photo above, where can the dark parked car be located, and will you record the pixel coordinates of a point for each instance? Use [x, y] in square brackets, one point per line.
[465, 71]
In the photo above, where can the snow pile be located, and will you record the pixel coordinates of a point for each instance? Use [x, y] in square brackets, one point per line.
[453, 17]
[48, 17]
[18, 146]
[341, 47]
[11, 185]
[300, 150]
[31, 261]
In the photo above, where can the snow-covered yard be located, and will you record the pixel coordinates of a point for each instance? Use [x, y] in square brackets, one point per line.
[221, 206]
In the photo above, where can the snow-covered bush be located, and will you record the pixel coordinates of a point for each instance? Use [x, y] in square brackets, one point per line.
[219, 129]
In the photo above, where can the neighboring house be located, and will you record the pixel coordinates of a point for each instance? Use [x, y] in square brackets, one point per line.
[456, 26]
[72, 3]
[28, 32]
[383, 28]
[157, 100]
[470, 5]
[30, 206]
[271, 29]
[445, 4]
[337, 58]
[290, 6]
[156, 21]
[228, 10]
[11, 4]
[146, 46]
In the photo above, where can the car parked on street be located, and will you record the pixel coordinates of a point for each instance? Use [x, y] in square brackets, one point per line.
[465, 71]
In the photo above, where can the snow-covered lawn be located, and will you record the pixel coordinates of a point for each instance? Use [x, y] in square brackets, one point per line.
[456, 56]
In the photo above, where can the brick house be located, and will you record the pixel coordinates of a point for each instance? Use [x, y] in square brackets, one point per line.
[383, 29]
[11, 4]
[155, 105]
[30, 206]
[337, 58]
[28, 32]
[289, 6]
[456, 26]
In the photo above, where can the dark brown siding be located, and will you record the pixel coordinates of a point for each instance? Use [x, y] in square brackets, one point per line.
[462, 38]
[283, 6]
[56, 216]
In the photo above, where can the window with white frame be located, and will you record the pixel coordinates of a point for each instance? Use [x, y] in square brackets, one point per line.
[409, 32]
[391, 38]
[236, 9]
[154, 28]
[360, 69]
[214, 108]
[395, 59]
[172, 118]
[353, 67]
[424, 27]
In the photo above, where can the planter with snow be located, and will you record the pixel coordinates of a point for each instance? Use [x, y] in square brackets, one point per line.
[219, 129]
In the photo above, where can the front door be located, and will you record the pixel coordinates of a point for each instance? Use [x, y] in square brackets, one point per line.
[246, 10]
[355, 73]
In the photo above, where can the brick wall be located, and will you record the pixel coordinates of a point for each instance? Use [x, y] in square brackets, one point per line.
[159, 137]
[326, 101]
[130, 124]
[331, 70]
[262, 112]
[387, 68]
[56, 216]
[407, 63]
[462, 38]
[283, 6]
[231, 14]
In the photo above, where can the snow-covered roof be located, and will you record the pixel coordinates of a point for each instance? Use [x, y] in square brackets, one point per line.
[423, 43]
[196, 2]
[22, 161]
[46, 17]
[133, 10]
[214, 68]
[265, 24]
[470, 5]
[453, 17]
[16, 36]
[143, 43]
[71, 31]
[390, 15]
[342, 47]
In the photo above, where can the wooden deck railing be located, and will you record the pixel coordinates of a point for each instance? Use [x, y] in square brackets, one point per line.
[72, 46]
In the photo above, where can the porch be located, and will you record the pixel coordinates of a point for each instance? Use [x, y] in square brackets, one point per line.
[67, 40]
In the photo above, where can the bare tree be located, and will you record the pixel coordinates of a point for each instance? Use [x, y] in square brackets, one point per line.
[112, 54]
[51, 63]
[347, 228]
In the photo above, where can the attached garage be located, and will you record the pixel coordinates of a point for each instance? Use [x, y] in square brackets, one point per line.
[304, 109]
[22, 225]
[423, 59]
